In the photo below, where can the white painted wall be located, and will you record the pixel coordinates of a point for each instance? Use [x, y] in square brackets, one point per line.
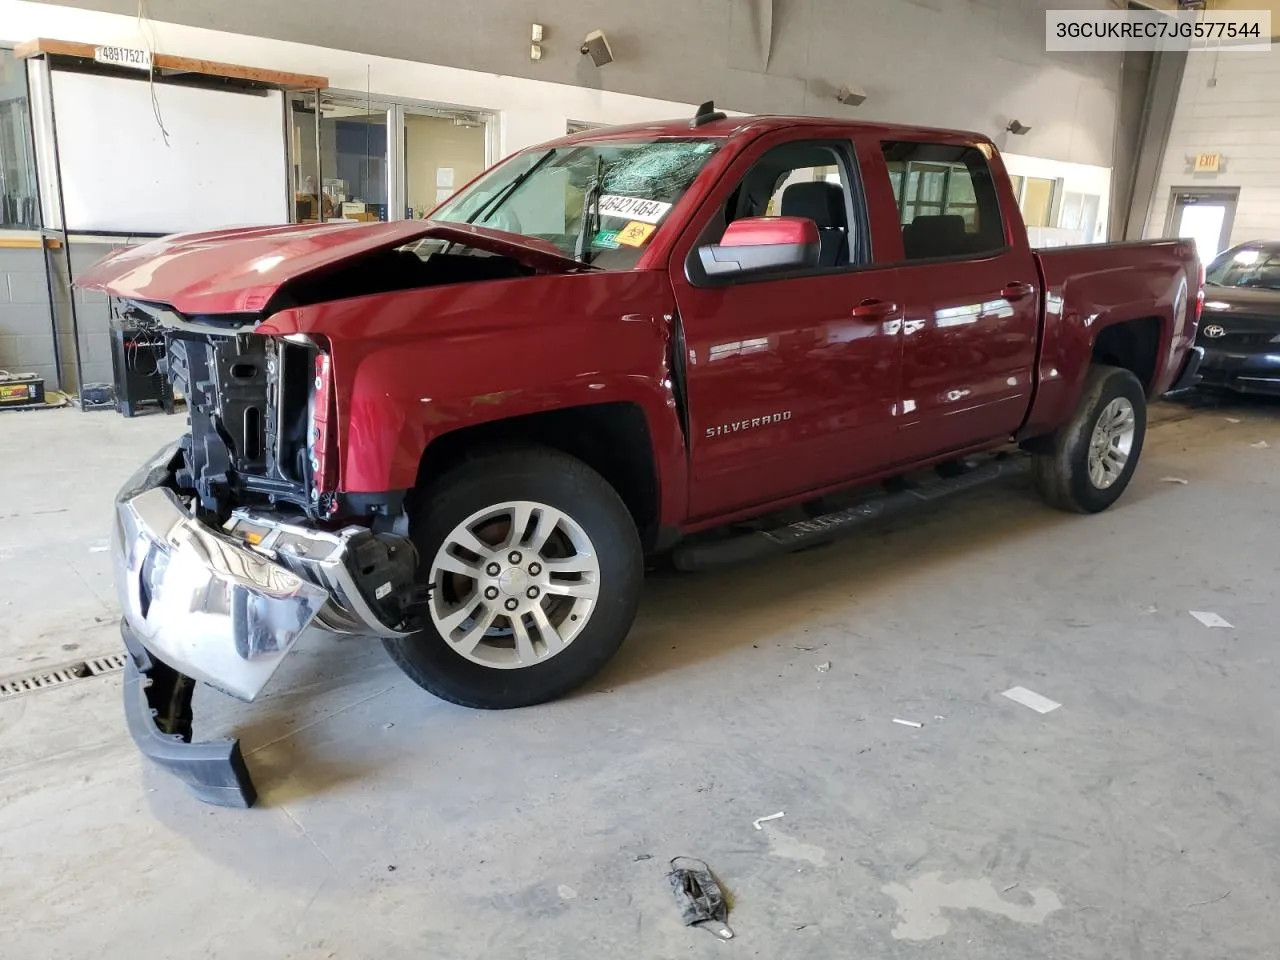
[529, 111]
[1239, 118]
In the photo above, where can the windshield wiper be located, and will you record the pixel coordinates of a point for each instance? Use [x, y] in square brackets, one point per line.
[590, 221]
[501, 197]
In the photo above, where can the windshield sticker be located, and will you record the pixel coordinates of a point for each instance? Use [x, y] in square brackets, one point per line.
[606, 238]
[635, 233]
[633, 208]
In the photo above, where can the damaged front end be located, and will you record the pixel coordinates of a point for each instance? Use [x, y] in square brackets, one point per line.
[231, 542]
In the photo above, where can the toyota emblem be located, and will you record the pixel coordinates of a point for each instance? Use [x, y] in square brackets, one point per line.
[1214, 330]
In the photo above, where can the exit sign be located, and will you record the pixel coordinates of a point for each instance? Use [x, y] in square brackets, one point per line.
[1207, 162]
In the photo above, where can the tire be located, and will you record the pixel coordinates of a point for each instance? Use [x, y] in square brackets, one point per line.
[501, 672]
[1062, 472]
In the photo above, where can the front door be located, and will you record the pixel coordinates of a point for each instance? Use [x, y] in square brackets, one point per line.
[791, 378]
[1203, 215]
[971, 288]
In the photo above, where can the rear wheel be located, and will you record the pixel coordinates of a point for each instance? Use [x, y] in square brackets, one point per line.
[1091, 459]
[535, 566]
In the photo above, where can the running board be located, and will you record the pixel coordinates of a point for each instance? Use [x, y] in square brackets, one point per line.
[694, 556]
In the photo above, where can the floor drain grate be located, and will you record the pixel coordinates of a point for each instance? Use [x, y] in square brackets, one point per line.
[56, 677]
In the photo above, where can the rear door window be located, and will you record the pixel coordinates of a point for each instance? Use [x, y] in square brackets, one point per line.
[947, 200]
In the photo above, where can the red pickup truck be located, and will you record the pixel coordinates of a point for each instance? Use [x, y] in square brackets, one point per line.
[465, 435]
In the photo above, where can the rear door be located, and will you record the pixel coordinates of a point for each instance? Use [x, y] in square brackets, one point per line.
[791, 377]
[971, 296]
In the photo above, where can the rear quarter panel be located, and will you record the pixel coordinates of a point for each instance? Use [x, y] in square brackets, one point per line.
[411, 366]
[1089, 288]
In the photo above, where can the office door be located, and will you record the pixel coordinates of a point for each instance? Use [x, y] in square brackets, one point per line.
[1203, 215]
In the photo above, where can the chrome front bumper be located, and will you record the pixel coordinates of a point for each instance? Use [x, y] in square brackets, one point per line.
[226, 606]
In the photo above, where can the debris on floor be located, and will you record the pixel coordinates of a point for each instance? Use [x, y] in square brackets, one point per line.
[1029, 698]
[1210, 619]
[1260, 445]
[643, 856]
[1173, 480]
[1201, 903]
[823, 667]
[773, 816]
[699, 896]
[567, 892]
[1232, 419]
[908, 723]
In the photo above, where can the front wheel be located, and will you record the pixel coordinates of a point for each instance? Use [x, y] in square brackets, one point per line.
[1091, 459]
[536, 568]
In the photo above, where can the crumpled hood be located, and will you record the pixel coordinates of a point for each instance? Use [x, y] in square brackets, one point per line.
[239, 270]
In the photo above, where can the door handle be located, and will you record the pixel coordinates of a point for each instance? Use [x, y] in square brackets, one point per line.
[872, 309]
[1017, 290]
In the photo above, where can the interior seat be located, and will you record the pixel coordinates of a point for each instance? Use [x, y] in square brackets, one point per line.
[823, 203]
[935, 235]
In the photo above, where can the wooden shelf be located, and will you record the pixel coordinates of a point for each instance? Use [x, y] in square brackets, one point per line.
[167, 65]
[26, 243]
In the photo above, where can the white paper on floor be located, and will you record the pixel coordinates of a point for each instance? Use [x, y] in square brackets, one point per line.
[908, 723]
[1173, 480]
[1260, 445]
[1210, 619]
[1029, 698]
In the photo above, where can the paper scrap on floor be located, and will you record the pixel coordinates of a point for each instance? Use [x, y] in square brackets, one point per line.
[1029, 698]
[908, 723]
[1210, 619]
[773, 816]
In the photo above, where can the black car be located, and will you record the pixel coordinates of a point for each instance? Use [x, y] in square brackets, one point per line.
[1240, 325]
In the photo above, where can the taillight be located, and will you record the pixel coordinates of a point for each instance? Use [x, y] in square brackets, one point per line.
[1199, 289]
[320, 429]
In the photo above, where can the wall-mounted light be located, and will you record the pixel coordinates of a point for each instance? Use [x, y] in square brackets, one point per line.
[1016, 128]
[851, 96]
[535, 47]
[596, 46]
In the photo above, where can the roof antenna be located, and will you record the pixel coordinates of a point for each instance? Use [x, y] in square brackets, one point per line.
[707, 113]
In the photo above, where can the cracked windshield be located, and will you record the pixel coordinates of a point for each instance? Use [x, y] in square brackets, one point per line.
[599, 202]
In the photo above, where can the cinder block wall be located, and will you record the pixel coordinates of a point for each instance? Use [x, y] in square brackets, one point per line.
[26, 332]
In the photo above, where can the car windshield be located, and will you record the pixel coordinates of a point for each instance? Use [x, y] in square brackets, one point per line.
[542, 192]
[1255, 266]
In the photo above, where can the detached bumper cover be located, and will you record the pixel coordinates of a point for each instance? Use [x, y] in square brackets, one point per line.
[157, 709]
[225, 608]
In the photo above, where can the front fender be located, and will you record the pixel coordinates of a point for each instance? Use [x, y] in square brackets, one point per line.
[411, 366]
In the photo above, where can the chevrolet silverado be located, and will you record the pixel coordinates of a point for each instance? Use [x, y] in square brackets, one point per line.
[465, 435]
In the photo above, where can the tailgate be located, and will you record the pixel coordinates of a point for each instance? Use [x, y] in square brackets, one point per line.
[240, 270]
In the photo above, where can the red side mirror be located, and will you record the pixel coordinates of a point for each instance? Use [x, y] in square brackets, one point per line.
[771, 231]
[762, 245]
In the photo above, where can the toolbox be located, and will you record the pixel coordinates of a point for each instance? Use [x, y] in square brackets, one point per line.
[20, 389]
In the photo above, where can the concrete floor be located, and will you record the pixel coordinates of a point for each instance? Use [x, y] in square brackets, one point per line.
[1140, 820]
